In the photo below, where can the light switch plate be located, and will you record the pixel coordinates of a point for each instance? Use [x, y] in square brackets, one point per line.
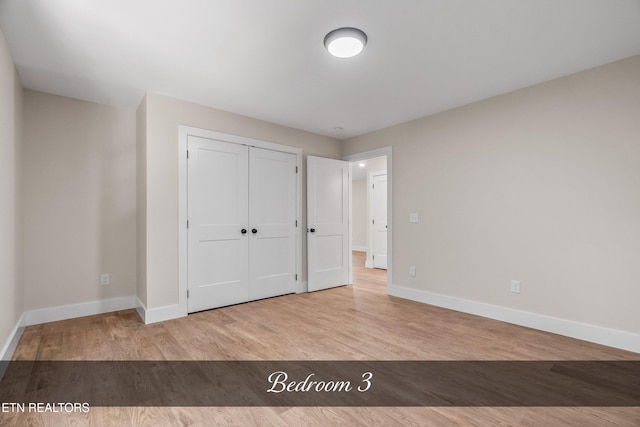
[515, 286]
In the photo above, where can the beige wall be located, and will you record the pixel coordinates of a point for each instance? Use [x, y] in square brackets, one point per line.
[11, 285]
[164, 114]
[79, 201]
[377, 164]
[539, 185]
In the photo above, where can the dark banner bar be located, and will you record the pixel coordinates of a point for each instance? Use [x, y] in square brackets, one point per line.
[323, 383]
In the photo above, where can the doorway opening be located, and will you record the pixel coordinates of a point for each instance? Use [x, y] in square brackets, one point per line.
[371, 233]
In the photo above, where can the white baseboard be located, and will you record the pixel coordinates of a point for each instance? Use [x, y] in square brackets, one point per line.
[359, 248]
[160, 314]
[12, 341]
[368, 263]
[141, 308]
[63, 312]
[596, 334]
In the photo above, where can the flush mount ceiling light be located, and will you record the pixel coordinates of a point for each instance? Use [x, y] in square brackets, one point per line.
[345, 42]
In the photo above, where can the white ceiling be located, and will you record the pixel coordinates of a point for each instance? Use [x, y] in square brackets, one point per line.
[265, 59]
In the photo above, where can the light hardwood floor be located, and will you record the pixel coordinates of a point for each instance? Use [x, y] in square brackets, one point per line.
[355, 322]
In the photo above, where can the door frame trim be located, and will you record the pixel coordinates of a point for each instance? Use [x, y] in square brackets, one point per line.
[384, 151]
[183, 133]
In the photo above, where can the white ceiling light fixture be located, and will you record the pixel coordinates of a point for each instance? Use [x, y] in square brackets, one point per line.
[345, 42]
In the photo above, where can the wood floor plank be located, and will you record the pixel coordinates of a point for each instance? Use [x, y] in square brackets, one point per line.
[355, 322]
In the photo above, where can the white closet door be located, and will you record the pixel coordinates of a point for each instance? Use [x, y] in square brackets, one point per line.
[379, 220]
[218, 212]
[272, 221]
[327, 222]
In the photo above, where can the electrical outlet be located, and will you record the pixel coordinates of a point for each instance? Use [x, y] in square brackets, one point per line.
[413, 217]
[105, 279]
[412, 271]
[515, 286]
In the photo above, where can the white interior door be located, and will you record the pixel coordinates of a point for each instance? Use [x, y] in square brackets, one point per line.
[378, 205]
[327, 222]
[218, 212]
[272, 222]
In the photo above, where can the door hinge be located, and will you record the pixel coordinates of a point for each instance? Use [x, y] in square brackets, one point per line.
[296, 222]
[296, 169]
[373, 221]
[373, 186]
[296, 277]
[187, 154]
[187, 293]
[373, 257]
[187, 223]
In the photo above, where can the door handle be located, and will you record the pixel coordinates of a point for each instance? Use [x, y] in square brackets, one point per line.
[254, 231]
[313, 230]
[243, 231]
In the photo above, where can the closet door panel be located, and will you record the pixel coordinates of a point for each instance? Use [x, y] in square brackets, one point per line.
[272, 214]
[218, 211]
